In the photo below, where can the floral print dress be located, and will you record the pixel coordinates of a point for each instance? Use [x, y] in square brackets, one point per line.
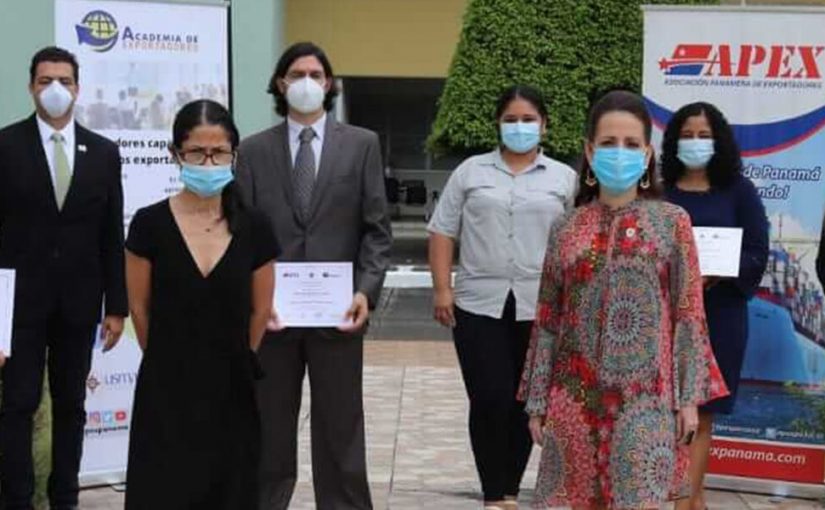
[620, 344]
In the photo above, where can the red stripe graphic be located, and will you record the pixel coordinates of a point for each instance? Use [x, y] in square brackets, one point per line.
[759, 460]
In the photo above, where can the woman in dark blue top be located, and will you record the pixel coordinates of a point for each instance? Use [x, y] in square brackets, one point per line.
[702, 170]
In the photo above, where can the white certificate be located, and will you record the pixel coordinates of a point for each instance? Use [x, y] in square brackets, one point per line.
[719, 250]
[313, 294]
[6, 309]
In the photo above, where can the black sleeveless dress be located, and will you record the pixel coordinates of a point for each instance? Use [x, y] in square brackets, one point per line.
[194, 441]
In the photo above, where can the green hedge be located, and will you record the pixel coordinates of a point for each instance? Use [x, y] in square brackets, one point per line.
[571, 50]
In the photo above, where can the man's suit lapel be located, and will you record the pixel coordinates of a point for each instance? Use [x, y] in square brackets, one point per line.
[40, 166]
[82, 172]
[329, 156]
[281, 156]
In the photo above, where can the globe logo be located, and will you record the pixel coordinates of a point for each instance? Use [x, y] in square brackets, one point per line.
[98, 30]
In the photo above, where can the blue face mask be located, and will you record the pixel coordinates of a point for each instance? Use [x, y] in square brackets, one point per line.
[520, 137]
[695, 152]
[618, 169]
[206, 181]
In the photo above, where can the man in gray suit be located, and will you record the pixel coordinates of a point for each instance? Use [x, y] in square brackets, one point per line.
[321, 184]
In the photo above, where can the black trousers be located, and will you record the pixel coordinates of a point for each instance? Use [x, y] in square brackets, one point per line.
[66, 349]
[339, 469]
[491, 353]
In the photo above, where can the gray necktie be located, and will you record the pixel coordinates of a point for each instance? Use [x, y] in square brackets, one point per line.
[62, 172]
[304, 178]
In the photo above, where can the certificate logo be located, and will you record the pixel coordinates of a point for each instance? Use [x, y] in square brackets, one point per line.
[98, 30]
[94, 418]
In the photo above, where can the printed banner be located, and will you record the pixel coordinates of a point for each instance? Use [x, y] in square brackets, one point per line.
[764, 69]
[139, 63]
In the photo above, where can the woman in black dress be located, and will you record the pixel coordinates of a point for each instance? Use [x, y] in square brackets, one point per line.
[200, 280]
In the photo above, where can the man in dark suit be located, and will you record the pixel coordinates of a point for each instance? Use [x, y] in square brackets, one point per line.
[321, 184]
[61, 229]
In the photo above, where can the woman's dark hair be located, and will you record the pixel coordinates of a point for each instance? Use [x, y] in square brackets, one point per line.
[205, 112]
[726, 162]
[526, 92]
[617, 101]
[293, 53]
[53, 54]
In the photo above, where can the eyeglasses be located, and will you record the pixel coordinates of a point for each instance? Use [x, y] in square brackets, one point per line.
[199, 157]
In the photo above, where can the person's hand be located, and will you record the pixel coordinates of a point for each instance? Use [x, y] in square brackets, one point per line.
[274, 323]
[536, 430]
[687, 422]
[357, 314]
[2, 358]
[110, 331]
[709, 281]
[443, 307]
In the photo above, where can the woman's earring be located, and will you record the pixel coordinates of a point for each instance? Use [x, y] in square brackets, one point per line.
[645, 183]
[590, 180]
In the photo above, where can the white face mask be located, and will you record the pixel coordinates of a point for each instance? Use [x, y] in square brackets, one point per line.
[305, 95]
[56, 100]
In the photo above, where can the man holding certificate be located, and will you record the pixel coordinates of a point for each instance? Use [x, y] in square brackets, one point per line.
[321, 184]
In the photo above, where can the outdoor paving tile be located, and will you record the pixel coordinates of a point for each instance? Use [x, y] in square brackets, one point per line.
[724, 500]
[761, 502]
[418, 448]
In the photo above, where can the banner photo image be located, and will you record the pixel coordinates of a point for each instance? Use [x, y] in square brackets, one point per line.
[763, 68]
[140, 62]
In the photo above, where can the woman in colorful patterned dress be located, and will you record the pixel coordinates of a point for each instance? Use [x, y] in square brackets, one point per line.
[619, 359]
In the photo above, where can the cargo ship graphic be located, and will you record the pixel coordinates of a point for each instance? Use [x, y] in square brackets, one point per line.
[786, 342]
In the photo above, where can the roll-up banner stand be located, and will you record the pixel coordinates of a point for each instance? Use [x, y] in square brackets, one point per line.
[763, 68]
[139, 63]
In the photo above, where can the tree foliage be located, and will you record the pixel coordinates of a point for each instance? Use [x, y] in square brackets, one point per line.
[571, 50]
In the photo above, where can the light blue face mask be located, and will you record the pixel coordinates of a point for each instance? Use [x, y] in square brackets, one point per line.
[206, 181]
[618, 169]
[695, 152]
[520, 137]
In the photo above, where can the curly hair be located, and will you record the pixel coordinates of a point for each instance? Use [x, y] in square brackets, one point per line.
[726, 162]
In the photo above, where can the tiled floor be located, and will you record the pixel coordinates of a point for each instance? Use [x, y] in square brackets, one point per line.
[418, 448]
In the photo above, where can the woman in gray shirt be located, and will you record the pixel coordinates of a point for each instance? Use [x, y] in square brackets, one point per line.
[499, 206]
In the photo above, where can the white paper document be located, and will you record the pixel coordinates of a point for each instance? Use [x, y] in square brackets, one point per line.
[6, 309]
[719, 250]
[313, 294]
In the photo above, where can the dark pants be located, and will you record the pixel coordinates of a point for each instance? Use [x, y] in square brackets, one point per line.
[491, 353]
[69, 348]
[339, 468]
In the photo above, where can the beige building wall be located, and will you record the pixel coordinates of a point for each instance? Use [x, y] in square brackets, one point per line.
[380, 38]
[397, 38]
